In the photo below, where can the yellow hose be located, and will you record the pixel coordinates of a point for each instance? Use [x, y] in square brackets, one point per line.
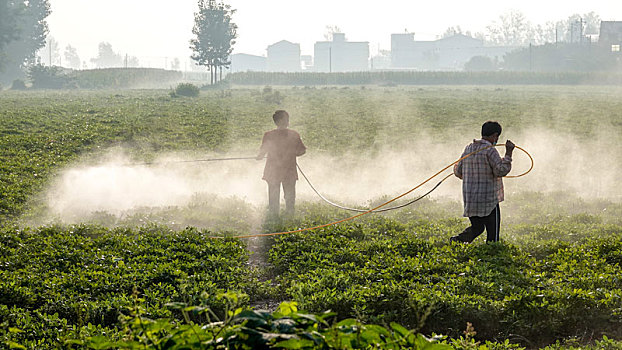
[387, 202]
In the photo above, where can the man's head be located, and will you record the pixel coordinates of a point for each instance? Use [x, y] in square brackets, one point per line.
[491, 131]
[281, 118]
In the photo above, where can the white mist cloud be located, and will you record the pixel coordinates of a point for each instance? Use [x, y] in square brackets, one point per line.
[116, 186]
[588, 168]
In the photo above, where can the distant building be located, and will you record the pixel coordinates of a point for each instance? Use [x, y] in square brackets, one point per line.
[403, 52]
[449, 53]
[242, 62]
[340, 55]
[284, 56]
[610, 36]
[307, 62]
[456, 50]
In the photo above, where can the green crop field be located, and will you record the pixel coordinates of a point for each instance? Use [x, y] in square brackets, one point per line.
[100, 250]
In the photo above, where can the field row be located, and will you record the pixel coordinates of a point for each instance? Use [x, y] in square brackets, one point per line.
[54, 281]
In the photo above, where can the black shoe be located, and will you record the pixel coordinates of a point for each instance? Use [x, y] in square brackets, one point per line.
[455, 239]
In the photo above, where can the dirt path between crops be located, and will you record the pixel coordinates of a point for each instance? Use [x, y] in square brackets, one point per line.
[258, 248]
[258, 261]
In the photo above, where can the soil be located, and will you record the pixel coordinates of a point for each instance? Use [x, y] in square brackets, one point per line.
[258, 248]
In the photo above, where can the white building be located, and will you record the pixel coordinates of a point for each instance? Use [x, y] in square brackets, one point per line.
[403, 52]
[284, 56]
[610, 36]
[340, 55]
[242, 62]
[449, 53]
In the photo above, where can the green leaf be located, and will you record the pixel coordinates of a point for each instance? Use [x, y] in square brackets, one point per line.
[437, 346]
[403, 332]
[348, 322]
[231, 297]
[370, 336]
[310, 317]
[260, 317]
[287, 308]
[378, 329]
[294, 344]
[74, 342]
[100, 342]
[13, 345]
[423, 343]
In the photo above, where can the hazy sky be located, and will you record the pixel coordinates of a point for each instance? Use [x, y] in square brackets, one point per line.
[154, 30]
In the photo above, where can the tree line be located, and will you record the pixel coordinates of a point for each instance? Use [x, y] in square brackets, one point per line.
[513, 28]
[24, 32]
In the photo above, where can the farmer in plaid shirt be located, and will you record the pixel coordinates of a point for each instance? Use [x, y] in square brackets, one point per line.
[482, 186]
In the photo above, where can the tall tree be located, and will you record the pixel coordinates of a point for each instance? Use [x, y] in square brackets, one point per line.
[575, 27]
[72, 60]
[330, 30]
[23, 30]
[451, 31]
[8, 25]
[512, 29]
[106, 57]
[215, 36]
[131, 61]
[591, 22]
[175, 64]
[49, 54]
[545, 33]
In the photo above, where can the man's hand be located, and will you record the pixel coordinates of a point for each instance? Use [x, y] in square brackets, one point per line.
[509, 147]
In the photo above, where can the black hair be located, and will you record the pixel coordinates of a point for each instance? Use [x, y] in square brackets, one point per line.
[490, 127]
[280, 114]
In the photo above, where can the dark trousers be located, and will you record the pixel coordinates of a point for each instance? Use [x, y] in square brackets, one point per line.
[491, 223]
[274, 194]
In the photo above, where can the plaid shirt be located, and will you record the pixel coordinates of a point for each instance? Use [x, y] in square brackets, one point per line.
[481, 173]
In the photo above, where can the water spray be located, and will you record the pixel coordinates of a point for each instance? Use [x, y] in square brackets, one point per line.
[361, 212]
[391, 200]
